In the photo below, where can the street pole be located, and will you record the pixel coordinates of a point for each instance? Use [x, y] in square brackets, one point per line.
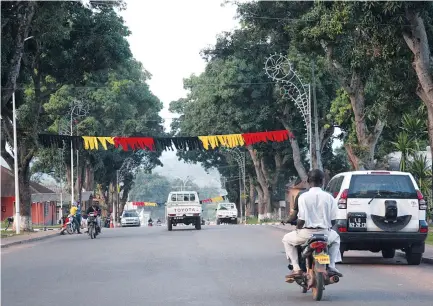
[117, 191]
[316, 122]
[72, 164]
[240, 189]
[245, 192]
[17, 189]
[310, 127]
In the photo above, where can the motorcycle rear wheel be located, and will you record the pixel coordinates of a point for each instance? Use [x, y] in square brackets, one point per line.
[69, 229]
[320, 285]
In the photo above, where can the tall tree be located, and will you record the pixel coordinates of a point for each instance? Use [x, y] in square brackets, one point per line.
[45, 46]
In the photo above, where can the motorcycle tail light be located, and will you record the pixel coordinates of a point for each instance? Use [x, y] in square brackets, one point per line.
[319, 250]
[318, 245]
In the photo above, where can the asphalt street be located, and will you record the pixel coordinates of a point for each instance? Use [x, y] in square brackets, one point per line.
[219, 265]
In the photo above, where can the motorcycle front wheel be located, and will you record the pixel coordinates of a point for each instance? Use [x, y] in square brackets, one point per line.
[319, 286]
[92, 232]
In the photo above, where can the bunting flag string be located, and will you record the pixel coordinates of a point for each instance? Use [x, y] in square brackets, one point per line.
[213, 200]
[164, 143]
[140, 204]
[276, 136]
[144, 143]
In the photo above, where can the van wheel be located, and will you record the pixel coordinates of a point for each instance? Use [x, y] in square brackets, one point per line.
[388, 253]
[413, 259]
[218, 222]
[169, 224]
[235, 221]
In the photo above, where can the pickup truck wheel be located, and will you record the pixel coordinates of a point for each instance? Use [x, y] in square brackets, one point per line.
[388, 253]
[198, 223]
[169, 224]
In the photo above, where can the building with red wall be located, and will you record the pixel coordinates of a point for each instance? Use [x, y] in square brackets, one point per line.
[43, 213]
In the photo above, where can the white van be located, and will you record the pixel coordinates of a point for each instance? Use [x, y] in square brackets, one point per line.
[380, 211]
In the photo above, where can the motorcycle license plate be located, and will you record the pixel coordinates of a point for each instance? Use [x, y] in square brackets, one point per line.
[323, 259]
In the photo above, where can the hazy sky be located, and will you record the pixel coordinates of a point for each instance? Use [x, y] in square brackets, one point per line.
[167, 37]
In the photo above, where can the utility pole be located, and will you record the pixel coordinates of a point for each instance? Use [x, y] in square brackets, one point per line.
[17, 187]
[316, 122]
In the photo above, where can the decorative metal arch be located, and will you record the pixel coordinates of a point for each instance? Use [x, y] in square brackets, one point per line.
[279, 69]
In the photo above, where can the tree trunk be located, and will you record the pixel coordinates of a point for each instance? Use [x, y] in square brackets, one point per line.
[26, 10]
[251, 199]
[297, 157]
[25, 197]
[367, 140]
[261, 178]
[261, 206]
[417, 41]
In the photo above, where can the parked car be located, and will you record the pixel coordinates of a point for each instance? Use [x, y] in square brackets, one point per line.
[380, 211]
[129, 218]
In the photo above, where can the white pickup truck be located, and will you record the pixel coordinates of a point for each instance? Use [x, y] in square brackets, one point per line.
[183, 207]
[226, 213]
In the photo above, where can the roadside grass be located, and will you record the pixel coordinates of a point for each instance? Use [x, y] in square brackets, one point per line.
[429, 239]
[255, 220]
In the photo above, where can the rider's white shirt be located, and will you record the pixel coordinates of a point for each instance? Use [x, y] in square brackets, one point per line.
[317, 208]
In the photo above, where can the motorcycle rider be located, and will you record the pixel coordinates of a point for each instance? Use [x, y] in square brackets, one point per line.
[317, 214]
[73, 213]
[94, 208]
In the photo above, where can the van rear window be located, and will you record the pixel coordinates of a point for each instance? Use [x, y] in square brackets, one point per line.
[381, 186]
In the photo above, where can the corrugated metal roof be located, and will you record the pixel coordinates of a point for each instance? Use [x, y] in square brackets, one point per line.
[8, 184]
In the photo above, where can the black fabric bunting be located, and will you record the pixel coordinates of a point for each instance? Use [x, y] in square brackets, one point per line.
[163, 144]
[187, 143]
[60, 141]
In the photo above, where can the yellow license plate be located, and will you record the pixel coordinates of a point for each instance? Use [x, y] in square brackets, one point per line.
[323, 259]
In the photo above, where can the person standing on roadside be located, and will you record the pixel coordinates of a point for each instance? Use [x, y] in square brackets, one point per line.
[79, 218]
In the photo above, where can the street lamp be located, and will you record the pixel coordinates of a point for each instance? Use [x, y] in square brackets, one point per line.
[279, 69]
[76, 110]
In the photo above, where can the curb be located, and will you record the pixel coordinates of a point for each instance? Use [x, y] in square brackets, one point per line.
[6, 245]
[426, 260]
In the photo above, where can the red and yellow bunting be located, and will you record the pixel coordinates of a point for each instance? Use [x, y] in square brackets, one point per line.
[164, 143]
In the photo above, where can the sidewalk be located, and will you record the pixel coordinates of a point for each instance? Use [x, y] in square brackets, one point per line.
[27, 237]
[427, 256]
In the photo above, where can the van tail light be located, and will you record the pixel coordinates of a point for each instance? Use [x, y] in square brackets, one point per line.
[342, 229]
[422, 202]
[196, 214]
[342, 202]
[423, 227]
[172, 215]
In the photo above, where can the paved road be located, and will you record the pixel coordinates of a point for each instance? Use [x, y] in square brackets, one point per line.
[219, 265]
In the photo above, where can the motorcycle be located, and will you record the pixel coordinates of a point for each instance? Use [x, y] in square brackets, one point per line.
[71, 226]
[150, 223]
[92, 226]
[158, 223]
[314, 260]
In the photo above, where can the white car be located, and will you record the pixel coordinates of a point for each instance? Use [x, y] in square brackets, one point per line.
[380, 211]
[129, 218]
